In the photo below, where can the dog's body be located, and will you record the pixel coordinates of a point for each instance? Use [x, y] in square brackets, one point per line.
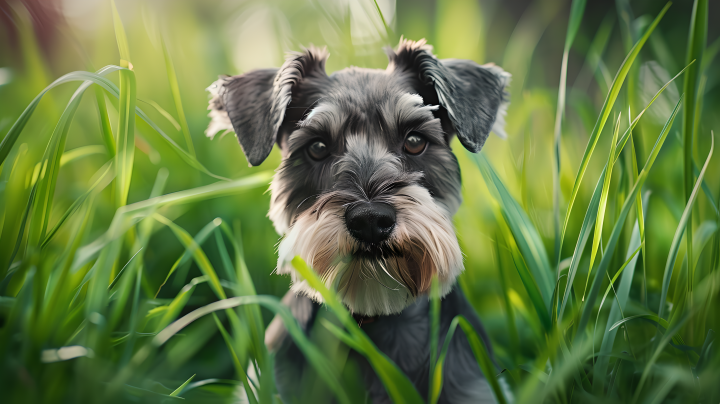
[366, 193]
[405, 339]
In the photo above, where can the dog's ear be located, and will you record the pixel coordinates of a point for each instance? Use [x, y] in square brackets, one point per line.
[253, 104]
[474, 96]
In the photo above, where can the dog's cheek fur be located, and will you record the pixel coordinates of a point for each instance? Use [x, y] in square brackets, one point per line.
[427, 228]
[441, 175]
[280, 213]
[424, 239]
[294, 188]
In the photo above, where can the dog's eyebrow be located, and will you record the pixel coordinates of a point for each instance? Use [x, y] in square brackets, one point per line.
[321, 117]
[409, 113]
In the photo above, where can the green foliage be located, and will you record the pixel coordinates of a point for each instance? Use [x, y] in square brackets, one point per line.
[150, 290]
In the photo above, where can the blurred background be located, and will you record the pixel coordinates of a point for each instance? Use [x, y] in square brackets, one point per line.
[40, 40]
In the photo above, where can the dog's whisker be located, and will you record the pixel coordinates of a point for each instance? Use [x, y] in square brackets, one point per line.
[382, 266]
[384, 285]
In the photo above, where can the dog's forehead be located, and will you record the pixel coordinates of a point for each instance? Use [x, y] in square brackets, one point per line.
[368, 101]
[359, 86]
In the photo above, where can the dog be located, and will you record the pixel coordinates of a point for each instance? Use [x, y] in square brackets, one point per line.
[365, 194]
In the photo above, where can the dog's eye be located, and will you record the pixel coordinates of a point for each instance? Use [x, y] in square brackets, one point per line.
[414, 144]
[317, 150]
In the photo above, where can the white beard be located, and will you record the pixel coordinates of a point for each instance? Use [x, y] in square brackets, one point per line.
[423, 244]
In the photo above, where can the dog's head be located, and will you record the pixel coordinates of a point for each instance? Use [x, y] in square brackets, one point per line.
[368, 183]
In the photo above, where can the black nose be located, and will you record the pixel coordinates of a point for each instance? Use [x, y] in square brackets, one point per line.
[370, 222]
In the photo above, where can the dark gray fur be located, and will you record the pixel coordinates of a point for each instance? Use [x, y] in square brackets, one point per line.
[405, 339]
[470, 94]
[256, 102]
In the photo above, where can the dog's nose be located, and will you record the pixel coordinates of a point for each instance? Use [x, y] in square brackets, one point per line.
[370, 222]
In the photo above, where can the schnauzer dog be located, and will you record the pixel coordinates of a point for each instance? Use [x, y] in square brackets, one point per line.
[365, 195]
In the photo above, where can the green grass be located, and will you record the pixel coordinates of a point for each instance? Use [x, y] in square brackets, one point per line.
[136, 258]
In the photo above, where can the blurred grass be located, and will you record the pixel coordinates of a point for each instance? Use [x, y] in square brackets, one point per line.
[151, 290]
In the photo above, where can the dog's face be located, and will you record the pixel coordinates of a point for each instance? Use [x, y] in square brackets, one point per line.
[368, 184]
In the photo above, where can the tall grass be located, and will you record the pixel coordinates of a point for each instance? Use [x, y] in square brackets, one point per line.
[158, 288]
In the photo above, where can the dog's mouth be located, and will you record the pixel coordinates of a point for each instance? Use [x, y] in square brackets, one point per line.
[400, 265]
[377, 251]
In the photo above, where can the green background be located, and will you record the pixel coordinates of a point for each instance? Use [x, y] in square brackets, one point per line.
[42, 40]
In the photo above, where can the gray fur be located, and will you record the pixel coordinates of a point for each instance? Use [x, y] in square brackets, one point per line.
[363, 116]
[472, 95]
[256, 102]
[405, 339]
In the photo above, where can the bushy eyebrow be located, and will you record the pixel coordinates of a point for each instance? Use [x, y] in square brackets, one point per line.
[408, 113]
[301, 137]
[325, 121]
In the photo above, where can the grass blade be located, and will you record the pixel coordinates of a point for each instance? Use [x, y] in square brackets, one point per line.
[528, 281]
[194, 248]
[605, 113]
[509, 310]
[45, 186]
[200, 238]
[11, 137]
[80, 152]
[105, 128]
[640, 217]
[607, 291]
[702, 236]
[676, 338]
[14, 132]
[125, 157]
[175, 89]
[178, 303]
[245, 287]
[706, 191]
[434, 391]
[695, 48]
[120, 37]
[576, 12]
[619, 224]
[591, 212]
[482, 358]
[179, 390]
[525, 235]
[621, 298]
[675, 245]
[238, 365]
[603, 202]
[129, 215]
[661, 344]
[103, 180]
[583, 237]
[319, 362]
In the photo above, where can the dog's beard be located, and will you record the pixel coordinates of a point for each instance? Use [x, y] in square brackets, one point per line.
[379, 279]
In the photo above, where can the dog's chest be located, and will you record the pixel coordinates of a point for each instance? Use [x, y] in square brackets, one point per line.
[405, 339]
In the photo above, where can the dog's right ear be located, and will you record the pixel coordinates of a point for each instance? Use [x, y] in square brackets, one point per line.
[253, 104]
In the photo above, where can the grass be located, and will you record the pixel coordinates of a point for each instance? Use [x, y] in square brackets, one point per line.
[136, 258]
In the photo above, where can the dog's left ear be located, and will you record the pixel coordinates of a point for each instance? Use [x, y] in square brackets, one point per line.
[254, 104]
[474, 96]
